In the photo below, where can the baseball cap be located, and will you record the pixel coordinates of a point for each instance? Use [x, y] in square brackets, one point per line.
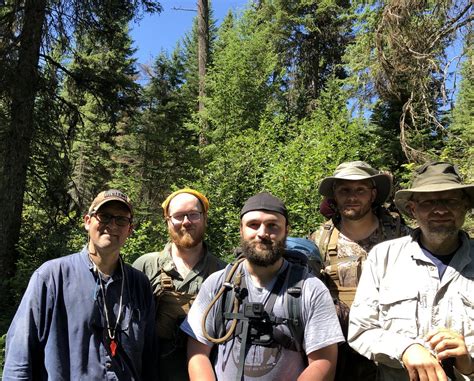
[107, 196]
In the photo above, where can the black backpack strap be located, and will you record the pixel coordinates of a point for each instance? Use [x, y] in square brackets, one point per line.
[296, 280]
[225, 304]
[276, 290]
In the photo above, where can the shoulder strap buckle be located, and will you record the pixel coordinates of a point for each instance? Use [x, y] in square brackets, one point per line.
[166, 282]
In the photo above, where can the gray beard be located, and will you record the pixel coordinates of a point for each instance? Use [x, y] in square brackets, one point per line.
[266, 257]
[440, 233]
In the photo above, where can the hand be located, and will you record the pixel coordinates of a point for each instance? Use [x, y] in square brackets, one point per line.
[447, 343]
[422, 365]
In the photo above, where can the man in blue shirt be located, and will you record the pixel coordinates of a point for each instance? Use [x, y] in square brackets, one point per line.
[86, 316]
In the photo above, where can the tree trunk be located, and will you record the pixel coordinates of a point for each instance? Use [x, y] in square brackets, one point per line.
[16, 140]
[203, 48]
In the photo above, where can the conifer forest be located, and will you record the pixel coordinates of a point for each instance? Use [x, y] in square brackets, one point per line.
[271, 98]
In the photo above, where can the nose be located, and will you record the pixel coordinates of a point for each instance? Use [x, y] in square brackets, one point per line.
[186, 220]
[352, 195]
[263, 232]
[440, 207]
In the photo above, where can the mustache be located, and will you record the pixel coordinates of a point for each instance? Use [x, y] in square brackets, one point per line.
[266, 241]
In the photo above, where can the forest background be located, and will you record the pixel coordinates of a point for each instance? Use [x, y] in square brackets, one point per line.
[291, 89]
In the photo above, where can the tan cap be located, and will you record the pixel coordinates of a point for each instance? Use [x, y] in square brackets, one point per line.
[107, 196]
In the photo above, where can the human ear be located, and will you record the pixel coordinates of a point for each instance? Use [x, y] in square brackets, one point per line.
[411, 207]
[374, 195]
[87, 222]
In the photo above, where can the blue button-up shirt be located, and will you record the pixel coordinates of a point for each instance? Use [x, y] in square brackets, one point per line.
[58, 332]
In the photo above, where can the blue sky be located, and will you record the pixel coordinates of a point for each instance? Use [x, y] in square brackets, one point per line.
[158, 32]
[162, 31]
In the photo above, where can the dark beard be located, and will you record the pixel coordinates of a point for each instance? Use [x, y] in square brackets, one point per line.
[355, 216]
[263, 257]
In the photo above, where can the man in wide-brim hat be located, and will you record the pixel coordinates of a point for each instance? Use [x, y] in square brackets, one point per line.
[358, 192]
[413, 312]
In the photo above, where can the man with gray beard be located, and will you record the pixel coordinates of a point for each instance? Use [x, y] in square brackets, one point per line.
[257, 344]
[413, 313]
[176, 275]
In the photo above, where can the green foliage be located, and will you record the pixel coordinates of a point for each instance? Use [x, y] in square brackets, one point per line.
[289, 166]
[228, 180]
[460, 145]
[309, 37]
[240, 80]
[400, 57]
[148, 236]
[320, 142]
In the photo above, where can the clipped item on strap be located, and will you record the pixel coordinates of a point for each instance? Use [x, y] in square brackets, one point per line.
[255, 323]
[171, 308]
[233, 294]
[341, 274]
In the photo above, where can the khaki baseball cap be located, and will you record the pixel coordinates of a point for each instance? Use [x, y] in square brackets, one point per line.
[107, 196]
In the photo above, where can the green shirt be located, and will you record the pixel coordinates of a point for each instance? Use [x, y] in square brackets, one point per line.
[152, 264]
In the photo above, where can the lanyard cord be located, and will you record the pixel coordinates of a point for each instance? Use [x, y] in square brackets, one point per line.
[111, 331]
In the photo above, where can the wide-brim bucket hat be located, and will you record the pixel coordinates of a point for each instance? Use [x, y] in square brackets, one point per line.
[430, 178]
[358, 170]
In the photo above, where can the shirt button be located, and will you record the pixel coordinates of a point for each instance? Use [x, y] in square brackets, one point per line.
[108, 365]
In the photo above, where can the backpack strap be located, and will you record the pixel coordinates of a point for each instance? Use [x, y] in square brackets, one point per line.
[296, 278]
[225, 304]
[332, 244]
[328, 241]
[166, 282]
[389, 220]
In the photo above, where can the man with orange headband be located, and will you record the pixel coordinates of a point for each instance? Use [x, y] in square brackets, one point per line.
[176, 275]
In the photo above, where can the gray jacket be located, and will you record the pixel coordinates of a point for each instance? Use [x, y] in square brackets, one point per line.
[400, 298]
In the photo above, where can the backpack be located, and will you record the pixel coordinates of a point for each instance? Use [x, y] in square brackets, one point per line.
[309, 249]
[172, 306]
[231, 302]
[341, 274]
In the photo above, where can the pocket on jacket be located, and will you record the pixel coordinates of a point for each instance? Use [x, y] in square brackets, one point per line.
[398, 309]
[468, 318]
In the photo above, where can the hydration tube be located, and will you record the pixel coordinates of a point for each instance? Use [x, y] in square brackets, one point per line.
[227, 285]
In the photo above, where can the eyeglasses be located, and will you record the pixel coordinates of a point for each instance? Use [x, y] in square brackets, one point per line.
[448, 203]
[345, 192]
[179, 217]
[105, 218]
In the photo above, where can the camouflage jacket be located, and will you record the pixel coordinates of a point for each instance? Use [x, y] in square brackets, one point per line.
[343, 258]
[390, 227]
